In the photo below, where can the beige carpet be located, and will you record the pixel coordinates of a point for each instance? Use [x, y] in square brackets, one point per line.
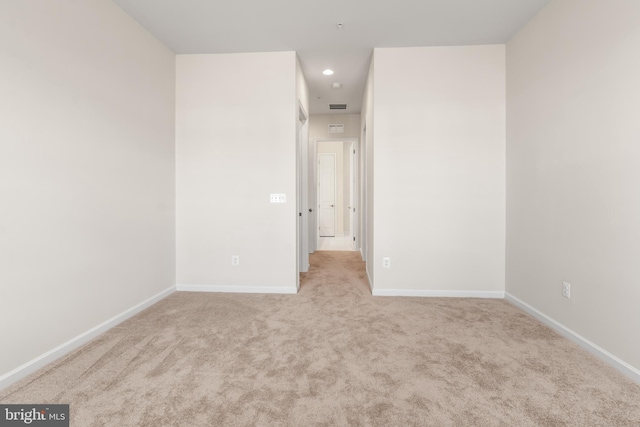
[332, 355]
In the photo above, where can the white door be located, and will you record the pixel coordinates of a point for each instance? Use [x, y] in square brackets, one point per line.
[352, 202]
[327, 194]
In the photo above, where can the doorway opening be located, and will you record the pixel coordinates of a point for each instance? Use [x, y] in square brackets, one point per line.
[336, 194]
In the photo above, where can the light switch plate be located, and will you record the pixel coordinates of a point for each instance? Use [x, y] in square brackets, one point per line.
[278, 198]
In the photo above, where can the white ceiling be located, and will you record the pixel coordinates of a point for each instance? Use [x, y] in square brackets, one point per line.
[309, 27]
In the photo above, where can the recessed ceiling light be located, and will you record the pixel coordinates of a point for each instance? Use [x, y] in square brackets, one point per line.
[336, 85]
[339, 25]
[327, 72]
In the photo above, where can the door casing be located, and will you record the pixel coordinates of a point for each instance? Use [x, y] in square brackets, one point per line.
[313, 187]
[302, 205]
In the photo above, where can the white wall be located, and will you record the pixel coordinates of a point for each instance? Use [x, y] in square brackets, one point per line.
[86, 171]
[302, 89]
[319, 126]
[439, 159]
[236, 144]
[573, 204]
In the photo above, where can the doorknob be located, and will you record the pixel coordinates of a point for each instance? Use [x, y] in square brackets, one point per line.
[310, 210]
[331, 205]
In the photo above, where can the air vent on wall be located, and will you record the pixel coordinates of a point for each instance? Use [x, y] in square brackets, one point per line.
[337, 128]
[337, 106]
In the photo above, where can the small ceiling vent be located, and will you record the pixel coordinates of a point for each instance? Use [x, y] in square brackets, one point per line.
[337, 106]
[336, 128]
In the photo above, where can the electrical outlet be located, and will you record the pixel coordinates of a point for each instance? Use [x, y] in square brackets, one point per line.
[566, 290]
[386, 262]
[235, 260]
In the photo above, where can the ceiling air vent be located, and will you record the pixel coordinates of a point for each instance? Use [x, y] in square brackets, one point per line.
[337, 106]
[337, 128]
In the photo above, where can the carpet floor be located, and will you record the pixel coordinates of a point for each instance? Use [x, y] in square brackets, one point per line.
[333, 355]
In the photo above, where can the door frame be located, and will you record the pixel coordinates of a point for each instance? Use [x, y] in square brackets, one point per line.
[313, 189]
[352, 195]
[302, 205]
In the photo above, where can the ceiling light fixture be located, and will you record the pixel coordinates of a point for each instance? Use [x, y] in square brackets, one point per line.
[339, 25]
[336, 85]
[327, 72]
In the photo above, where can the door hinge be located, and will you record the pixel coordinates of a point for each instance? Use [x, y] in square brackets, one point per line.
[354, 151]
[354, 238]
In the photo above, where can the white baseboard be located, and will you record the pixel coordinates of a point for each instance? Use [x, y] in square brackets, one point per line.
[64, 348]
[592, 348]
[239, 289]
[437, 294]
